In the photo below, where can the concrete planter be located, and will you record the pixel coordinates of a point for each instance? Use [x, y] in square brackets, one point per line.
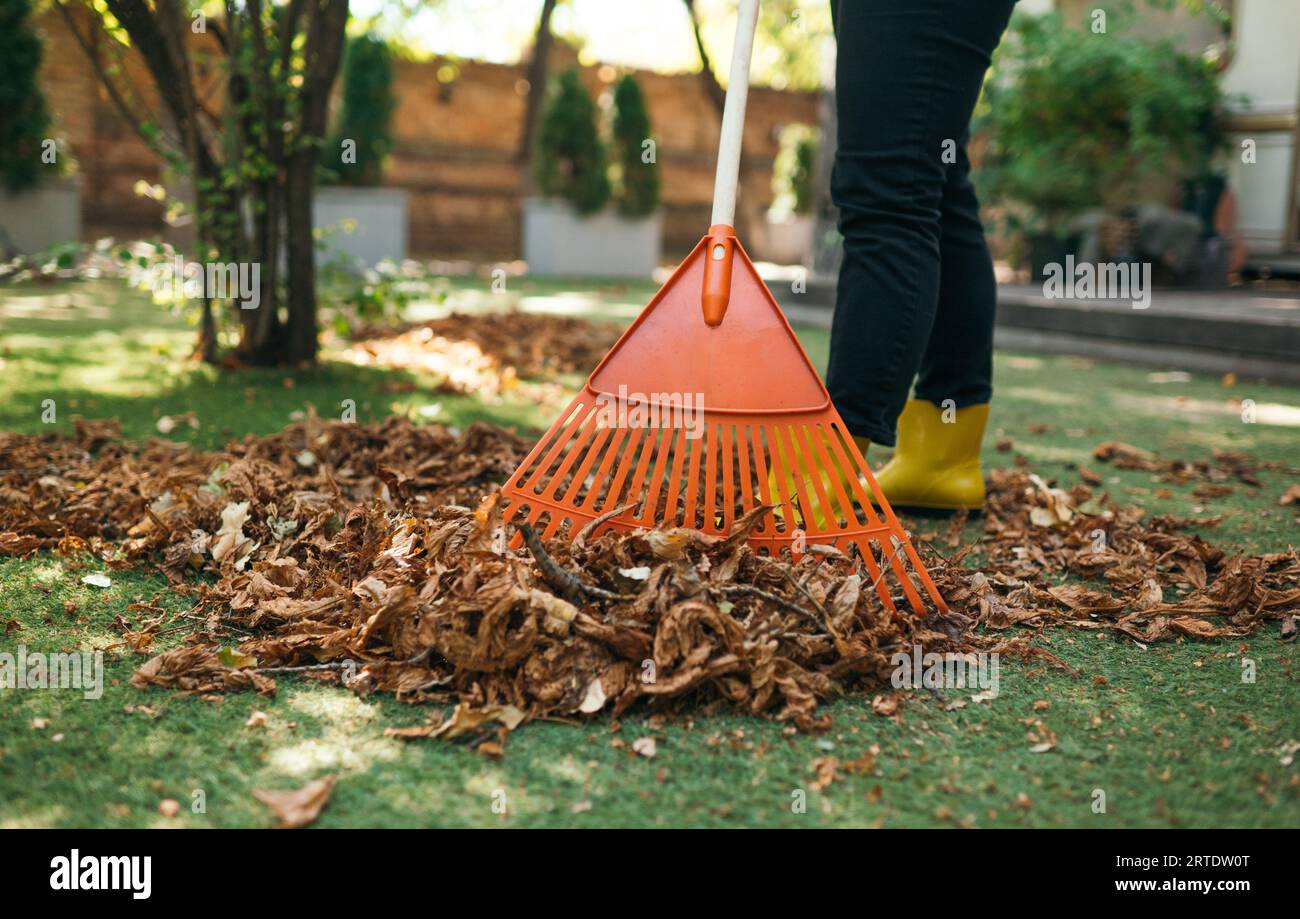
[789, 241]
[34, 220]
[377, 220]
[559, 243]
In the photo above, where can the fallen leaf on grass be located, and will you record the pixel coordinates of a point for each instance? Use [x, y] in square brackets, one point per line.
[644, 746]
[1287, 751]
[1041, 738]
[1125, 456]
[466, 718]
[235, 659]
[300, 807]
[863, 765]
[827, 770]
[168, 423]
[1290, 627]
[885, 706]
[1056, 507]
[19, 544]
[196, 669]
[97, 580]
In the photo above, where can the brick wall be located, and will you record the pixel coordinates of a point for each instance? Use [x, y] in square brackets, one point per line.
[454, 148]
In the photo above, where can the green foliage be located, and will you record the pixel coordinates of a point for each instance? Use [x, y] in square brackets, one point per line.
[377, 296]
[24, 121]
[789, 44]
[1076, 120]
[366, 114]
[570, 159]
[639, 191]
[793, 173]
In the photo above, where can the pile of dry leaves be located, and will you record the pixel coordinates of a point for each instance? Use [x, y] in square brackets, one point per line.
[376, 555]
[1153, 579]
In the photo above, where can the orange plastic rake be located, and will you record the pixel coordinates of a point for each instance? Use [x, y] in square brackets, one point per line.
[708, 407]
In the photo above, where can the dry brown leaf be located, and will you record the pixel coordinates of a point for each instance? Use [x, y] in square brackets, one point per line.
[300, 807]
[466, 719]
[885, 705]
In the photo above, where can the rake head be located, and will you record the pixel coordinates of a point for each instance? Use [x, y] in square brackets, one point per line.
[695, 423]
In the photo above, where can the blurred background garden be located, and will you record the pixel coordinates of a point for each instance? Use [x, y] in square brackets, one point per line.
[369, 158]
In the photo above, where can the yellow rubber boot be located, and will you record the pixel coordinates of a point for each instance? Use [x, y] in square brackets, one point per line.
[936, 466]
[816, 512]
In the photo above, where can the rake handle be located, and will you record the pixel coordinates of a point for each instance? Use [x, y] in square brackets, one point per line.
[733, 116]
[721, 242]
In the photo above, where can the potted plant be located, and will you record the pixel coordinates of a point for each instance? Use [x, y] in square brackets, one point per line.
[360, 222]
[571, 229]
[1075, 121]
[40, 201]
[789, 235]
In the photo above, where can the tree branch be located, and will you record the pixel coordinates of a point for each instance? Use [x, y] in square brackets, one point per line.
[537, 68]
[712, 88]
[116, 96]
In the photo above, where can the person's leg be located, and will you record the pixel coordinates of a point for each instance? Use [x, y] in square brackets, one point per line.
[936, 464]
[907, 78]
[957, 367]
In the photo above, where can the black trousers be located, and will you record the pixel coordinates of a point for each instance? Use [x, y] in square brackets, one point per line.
[916, 293]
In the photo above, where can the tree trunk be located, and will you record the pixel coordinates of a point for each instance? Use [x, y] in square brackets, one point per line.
[264, 218]
[537, 71]
[206, 348]
[301, 302]
[260, 108]
[323, 52]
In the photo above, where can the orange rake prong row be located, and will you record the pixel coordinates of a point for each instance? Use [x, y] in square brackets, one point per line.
[582, 471]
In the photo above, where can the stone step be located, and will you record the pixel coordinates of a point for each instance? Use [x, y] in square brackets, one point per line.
[1244, 323]
[1253, 333]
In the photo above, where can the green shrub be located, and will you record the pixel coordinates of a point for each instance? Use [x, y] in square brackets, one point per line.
[794, 170]
[639, 190]
[1076, 120]
[366, 113]
[570, 158]
[24, 121]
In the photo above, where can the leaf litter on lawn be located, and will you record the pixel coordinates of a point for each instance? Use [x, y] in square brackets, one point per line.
[489, 355]
[376, 555]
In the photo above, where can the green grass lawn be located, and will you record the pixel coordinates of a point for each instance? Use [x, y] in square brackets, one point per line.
[1171, 734]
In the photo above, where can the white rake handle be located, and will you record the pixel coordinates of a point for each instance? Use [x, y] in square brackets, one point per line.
[733, 116]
